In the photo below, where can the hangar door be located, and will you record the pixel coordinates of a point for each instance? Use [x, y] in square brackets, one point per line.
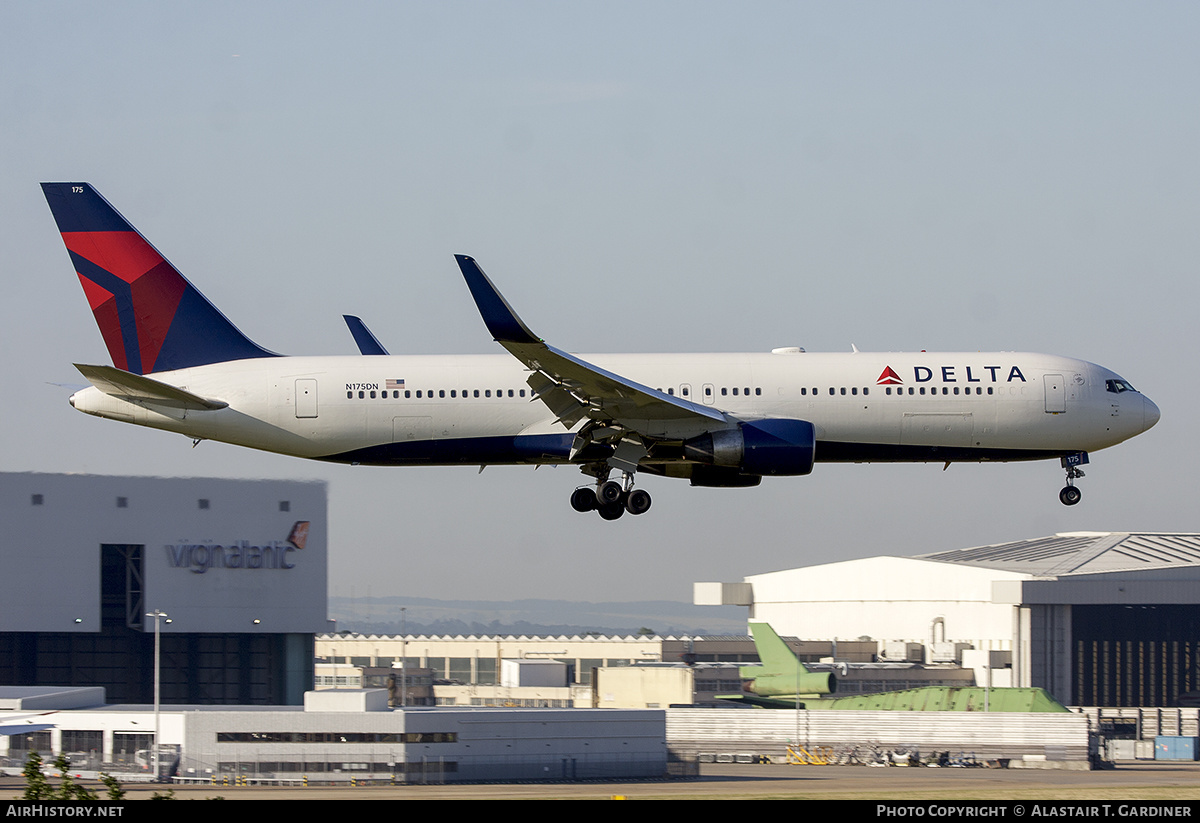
[1135, 655]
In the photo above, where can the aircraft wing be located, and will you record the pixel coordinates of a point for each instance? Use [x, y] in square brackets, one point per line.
[573, 388]
[17, 729]
[26, 724]
[139, 389]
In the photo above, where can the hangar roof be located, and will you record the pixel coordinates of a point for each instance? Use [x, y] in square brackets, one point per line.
[1071, 553]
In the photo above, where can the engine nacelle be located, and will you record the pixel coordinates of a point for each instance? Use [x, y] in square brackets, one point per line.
[802, 682]
[762, 447]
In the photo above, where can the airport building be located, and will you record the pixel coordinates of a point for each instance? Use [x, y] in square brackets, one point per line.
[239, 567]
[1095, 618]
[335, 736]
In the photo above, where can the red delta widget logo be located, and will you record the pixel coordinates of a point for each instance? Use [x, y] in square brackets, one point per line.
[952, 374]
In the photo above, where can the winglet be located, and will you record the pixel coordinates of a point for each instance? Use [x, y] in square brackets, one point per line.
[498, 316]
[366, 342]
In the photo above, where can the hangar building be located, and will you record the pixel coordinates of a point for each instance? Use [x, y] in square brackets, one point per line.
[239, 567]
[1095, 618]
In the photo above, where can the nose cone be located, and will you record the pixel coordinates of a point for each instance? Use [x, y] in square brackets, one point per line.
[1150, 413]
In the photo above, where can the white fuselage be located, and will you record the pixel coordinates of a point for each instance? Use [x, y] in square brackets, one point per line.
[473, 409]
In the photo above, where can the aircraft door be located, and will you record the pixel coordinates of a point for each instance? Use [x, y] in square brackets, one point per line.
[1056, 394]
[306, 397]
[710, 394]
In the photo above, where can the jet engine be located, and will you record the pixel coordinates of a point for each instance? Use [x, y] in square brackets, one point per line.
[762, 447]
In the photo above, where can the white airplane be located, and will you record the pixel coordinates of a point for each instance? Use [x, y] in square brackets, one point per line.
[715, 419]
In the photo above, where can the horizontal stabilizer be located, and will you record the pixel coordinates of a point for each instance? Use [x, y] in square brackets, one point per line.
[138, 389]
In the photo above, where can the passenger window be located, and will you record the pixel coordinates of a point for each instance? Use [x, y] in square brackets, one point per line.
[361, 395]
[349, 395]
[854, 390]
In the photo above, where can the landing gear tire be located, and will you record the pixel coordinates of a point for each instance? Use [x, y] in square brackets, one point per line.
[609, 493]
[584, 500]
[611, 511]
[1070, 495]
[637, 502]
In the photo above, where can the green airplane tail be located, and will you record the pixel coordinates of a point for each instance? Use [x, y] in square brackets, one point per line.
[781, 671]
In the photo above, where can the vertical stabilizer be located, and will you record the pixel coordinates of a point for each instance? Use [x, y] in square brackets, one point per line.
[781, 671]
[152, 319]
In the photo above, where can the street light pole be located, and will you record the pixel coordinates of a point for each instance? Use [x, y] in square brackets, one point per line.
[403, 657]
[158, 615]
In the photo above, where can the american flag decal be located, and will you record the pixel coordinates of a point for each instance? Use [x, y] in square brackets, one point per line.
[393, 384]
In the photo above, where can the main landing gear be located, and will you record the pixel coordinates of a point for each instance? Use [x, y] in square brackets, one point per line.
[1071, 495]
[611, 498]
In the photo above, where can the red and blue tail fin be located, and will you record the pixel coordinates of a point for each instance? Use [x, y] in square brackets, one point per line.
[151, 317]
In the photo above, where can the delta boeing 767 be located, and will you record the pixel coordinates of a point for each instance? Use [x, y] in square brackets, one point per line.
[715, 419]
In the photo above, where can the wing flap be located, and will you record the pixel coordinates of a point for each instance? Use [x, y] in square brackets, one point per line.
[137, 388]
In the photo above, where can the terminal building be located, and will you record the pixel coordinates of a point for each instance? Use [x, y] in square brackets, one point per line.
[239, 567]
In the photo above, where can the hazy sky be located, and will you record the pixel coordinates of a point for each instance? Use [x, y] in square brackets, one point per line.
[642, 176]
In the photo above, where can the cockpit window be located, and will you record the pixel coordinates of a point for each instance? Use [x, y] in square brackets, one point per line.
[1118, 386]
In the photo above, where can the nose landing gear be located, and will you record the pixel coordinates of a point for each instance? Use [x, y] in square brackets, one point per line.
[1070, 495]
[1071, 462]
